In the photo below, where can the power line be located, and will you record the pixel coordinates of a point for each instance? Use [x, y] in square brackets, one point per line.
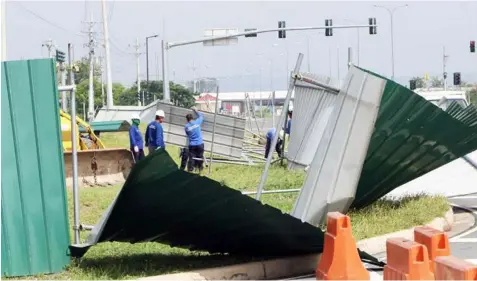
[45, 20]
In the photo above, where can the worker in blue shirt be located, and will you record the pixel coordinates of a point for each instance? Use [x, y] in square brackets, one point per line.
[278, 146]
[154, 133]
[196, 143]
[135, 139]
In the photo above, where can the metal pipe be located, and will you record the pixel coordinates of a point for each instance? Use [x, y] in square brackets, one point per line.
[86, 227]
[68, 88]
[171, 45]
[470, 161]
[272, 191]
[213, 130]
[74, 153]
[277, 127]
[329, 88]
[165, 79]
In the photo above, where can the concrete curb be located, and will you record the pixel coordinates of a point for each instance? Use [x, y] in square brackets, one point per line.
[295, 266]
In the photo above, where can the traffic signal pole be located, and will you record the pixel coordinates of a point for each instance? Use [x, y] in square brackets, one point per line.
[168, 45]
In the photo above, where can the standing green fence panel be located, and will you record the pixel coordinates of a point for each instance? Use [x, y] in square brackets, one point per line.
[34, 216]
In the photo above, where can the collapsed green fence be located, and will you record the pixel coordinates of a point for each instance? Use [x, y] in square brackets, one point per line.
[412, 137]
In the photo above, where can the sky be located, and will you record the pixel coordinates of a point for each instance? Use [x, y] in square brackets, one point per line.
[420, 32]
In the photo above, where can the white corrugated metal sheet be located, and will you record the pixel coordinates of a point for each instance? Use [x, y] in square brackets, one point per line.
[312, 109]
[229, 131]
[240, 96]
[331, 181]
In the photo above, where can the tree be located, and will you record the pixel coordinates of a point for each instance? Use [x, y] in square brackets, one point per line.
[419, 82]
[436, 82]
[180, 95]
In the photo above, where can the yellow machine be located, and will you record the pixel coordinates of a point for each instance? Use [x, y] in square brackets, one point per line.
[97, 165]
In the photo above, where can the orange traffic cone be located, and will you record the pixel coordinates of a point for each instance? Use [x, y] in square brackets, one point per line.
[436, 242]
[407, 260]
[340, 259]
[452, 268]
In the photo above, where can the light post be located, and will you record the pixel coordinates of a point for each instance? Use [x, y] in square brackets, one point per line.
[147, 57]
[357, 33]
[391, 12]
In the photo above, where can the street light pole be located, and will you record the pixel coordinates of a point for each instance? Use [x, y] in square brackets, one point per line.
[391, 12]
[147, 57]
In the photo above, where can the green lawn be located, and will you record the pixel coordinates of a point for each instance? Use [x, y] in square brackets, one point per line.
[130, 261]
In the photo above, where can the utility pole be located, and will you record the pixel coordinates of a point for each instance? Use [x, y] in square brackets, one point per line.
[91, 45]
[50, 46]
[444, 73]
[101, 69]
[138, 54]
[109, 83]
[4, 31]
[391, 13]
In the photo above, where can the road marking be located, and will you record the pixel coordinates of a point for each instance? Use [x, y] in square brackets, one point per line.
[464, 197]
[465, 240]
[459, 238]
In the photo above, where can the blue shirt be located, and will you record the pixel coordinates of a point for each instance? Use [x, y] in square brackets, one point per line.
[155, 134]
[192, 130]
[135, 138]
[271, 134]
[288, 128]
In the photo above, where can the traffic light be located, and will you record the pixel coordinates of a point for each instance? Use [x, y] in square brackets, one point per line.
[412, 85]
[372, 29]
[60, 56]
[282, 33]
[328, 31]
[472, 46]
[456, 78]
[252, 34]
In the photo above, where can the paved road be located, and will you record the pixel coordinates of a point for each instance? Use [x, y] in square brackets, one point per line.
[464, 245]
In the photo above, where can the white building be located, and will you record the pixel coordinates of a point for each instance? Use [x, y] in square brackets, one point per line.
[234, 102]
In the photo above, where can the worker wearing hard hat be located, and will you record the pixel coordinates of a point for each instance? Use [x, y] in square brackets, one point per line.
[196, 143]
[154, 133]
[135, 138]
[278, 146]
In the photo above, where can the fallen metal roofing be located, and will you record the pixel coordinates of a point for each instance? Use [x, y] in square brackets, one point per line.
[108, 126]
[160, 203]
[331, 180]
[411, 138]
[312, 109]
[229, 131]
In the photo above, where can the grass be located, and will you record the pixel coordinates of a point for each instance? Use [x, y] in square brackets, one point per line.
[129, 261]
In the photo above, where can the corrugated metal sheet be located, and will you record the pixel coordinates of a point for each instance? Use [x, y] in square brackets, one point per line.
[312, 109]
[230, 131]
[330, 184]
[189, 211]
[35, 235]
[109, 126]
[185, 210]
[411, 138]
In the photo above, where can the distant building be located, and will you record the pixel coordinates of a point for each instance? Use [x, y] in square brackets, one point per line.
[233, 103]
[203, 85]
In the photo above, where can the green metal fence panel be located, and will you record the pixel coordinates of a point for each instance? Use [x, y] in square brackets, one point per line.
[411, 138]
[108, 126]
[35, 235]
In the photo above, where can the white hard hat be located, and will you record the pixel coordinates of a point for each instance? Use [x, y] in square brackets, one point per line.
[160, 113]
[290, 106]
[135, 116]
